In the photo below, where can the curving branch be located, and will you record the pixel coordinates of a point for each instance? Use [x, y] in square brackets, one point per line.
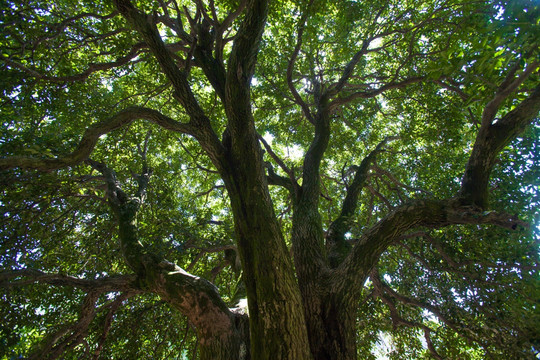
[349, 68]
[91, 137]
[15, 278]
[370, 93]
[60, 341]
[491, 139]
[290, 182]
[71, 335]
[92, 67]
[198, 299]
[508, 86]
[108, 322]
[387, 296]
[201, 127]
[352, 272]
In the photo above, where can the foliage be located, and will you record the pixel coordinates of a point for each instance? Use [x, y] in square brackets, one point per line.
[409, 85]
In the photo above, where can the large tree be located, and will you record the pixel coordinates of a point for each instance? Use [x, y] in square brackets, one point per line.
[364, 173]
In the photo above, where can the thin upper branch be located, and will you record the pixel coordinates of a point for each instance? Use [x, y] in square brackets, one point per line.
[291, 180]
[335, 240]
[370, 93]
[13, 278]
[92, 67]
[508, 86]
[290, 66]
[349, 68]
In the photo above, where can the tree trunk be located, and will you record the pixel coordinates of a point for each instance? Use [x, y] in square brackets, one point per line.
[331, 328]
[277, 324]
[231, 345]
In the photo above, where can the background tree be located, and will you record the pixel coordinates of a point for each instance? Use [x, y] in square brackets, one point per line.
[365, 173]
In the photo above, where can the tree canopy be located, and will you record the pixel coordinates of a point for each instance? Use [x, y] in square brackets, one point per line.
[364, 173]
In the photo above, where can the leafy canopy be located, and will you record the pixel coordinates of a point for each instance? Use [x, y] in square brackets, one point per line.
[422, 74]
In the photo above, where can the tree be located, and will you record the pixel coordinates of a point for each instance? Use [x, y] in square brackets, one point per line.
[362, 172]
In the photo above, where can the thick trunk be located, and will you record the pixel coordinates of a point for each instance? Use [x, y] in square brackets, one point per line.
[277, 322]
[230, 345]
[331, 328]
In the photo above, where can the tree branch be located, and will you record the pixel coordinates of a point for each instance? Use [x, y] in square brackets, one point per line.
[374, 92]
[380, 290]
[90, 138]
[51, 349]
[13, 278]
[508, 86]
[349, 68]
[92, 67]
[290, 66]
[289, 183]
[352, 272]
[196, 298]
[240, 69]
[491, 139]
[202, 129]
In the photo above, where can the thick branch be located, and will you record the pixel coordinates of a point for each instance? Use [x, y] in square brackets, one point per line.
[423, 213]
[195, 297]
[241, 66]
[53, 347]
[90, 138]
[491, 139]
